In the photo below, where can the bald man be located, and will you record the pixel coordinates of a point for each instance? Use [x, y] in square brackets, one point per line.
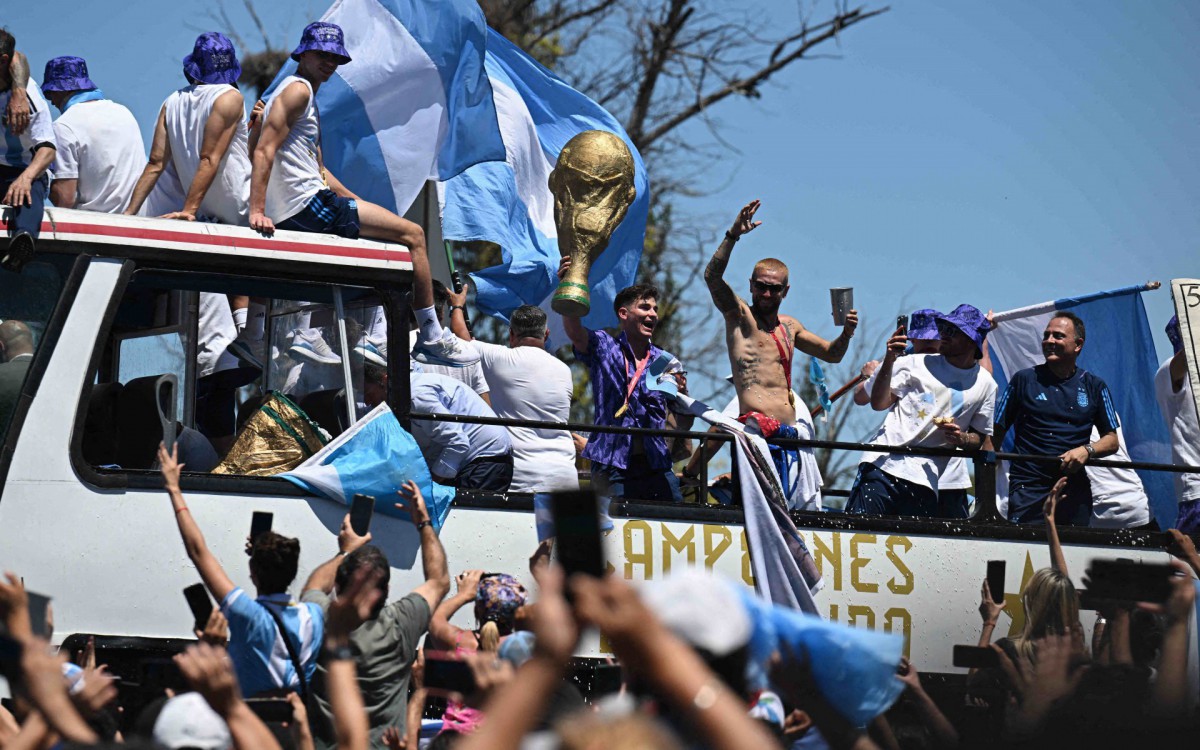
[762, 344]
[16, 352]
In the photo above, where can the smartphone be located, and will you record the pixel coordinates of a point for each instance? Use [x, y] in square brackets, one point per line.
[260, 523]
[975, 657]
[199, 603]
[995, 580]
[902, 323]
[271, 710]
[576, 517]
[1129, 581]
[444, 672]
[38, 614]
[10, 661]
[361, 511]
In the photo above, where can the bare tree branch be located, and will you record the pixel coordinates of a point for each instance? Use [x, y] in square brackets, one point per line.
[748, 85]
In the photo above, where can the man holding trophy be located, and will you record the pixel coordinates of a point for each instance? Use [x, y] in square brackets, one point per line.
[593, 188]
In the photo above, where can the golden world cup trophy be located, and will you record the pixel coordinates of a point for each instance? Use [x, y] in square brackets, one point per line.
[593, 189]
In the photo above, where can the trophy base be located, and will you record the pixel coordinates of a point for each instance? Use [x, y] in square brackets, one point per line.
[571, 299]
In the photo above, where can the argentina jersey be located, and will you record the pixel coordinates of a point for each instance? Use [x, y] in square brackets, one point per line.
[256, 646]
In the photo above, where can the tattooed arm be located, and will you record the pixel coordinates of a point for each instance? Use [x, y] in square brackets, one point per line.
[722, 294]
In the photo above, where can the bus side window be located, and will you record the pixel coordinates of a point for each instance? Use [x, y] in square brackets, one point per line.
[252, 356]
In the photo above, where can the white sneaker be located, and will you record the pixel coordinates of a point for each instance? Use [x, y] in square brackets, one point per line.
[449, 350]
[309, 346]
[373, 350]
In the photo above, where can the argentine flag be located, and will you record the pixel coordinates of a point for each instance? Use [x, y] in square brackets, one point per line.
[374, 457]
[509, 202]
[1119, 348]
[413, 105]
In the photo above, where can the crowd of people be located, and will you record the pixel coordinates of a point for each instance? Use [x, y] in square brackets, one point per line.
[346, 666]
[354, 668]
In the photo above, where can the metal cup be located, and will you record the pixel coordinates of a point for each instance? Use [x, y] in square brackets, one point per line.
[842, 299]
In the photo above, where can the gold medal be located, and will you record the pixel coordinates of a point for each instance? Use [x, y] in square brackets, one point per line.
[621, 412]
[791, 397]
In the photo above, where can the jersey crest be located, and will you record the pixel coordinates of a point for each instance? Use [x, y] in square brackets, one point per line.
[1081, 398]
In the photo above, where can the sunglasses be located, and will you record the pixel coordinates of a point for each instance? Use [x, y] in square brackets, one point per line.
[763, 286]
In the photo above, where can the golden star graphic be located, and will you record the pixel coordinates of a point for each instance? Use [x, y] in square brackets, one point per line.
[1014, 605]
[922, 414]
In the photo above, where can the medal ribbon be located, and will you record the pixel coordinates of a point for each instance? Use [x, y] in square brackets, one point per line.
[633, 381]
[784, 360]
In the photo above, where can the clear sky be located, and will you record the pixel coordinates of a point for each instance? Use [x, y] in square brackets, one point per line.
[1000, 154]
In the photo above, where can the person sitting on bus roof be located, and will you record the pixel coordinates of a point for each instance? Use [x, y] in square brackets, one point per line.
[100, 150]
[24, 182]
[935, 401]
[16, 352]
[1051, 409]
[1174, 392]
[201, 132]
[291, 189]
[262, 661]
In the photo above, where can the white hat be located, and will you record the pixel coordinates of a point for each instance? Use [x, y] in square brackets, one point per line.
[188, 721]
[700, 608]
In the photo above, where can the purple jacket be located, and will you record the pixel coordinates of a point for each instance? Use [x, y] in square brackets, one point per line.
[611, 363]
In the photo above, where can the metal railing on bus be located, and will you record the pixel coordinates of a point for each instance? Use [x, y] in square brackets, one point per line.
[984, 462]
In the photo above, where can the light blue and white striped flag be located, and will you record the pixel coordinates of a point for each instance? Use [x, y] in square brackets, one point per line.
[509, 202]
[374, 457]
[413, 105]
[1120, 350]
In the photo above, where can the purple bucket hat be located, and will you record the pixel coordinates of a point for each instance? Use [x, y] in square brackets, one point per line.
[213, 60]
[67, 74]
[922, 324]
[970, 321]
[322, 37]
[1174, 335]
[498, 599]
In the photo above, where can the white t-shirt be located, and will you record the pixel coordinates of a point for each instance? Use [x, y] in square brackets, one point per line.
[17, 151]
[927, 386]
[531, 383]
[805, 492]
[295, 174]
[1118, 498]
[99, 144]
[186, 115]
[1179, 409]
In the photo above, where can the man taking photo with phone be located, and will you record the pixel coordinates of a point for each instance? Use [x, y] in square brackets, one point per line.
[384, 647]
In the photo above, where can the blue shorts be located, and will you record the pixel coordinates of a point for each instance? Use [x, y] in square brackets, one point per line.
[328, 213]
[877, 492]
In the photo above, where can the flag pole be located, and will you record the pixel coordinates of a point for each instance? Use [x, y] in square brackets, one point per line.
[840, 392]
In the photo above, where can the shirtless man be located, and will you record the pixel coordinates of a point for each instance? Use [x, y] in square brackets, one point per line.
[762, 344]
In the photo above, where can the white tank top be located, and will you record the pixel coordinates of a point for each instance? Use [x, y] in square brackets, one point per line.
[187, 111]
[295, 174]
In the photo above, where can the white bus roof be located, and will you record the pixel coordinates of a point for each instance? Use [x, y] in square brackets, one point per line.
[69, 225]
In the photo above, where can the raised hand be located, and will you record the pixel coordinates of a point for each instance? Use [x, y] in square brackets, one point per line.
[354, 603]
[1057, 493]
[989, 610]
[897, 343]
[458, 299]
[348, 541]
[564, 265]
[412, 502]
[209, 670]
[14, 608]
[468, 582]
[170, 467]
[745, 219]
[216, 630]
